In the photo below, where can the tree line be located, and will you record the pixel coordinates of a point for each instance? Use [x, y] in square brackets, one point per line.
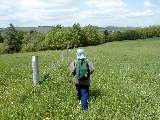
[140, 33]
[60, 37]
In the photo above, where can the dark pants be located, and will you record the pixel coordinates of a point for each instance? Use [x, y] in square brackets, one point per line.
[83, 94]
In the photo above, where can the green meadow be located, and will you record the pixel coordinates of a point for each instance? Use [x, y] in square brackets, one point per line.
[125, 84]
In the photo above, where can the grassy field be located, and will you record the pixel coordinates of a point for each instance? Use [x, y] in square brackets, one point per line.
[125, 85]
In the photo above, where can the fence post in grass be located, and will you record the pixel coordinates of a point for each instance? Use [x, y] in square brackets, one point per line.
[35, 69]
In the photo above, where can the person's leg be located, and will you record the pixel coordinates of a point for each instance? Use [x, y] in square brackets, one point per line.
[85, 95]
[78, 88]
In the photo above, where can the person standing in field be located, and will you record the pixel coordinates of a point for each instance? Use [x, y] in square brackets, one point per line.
[81, 69]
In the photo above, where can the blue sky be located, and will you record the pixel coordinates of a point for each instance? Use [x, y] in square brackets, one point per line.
[67, 12]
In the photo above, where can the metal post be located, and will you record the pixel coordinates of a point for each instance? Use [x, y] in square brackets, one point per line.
[35, 69]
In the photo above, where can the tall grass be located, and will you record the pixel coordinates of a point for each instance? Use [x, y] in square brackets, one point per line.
[125, 85]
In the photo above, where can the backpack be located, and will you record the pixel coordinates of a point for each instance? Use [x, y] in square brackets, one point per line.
[82, 69]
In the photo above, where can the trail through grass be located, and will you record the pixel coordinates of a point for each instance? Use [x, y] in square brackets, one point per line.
[125, 85]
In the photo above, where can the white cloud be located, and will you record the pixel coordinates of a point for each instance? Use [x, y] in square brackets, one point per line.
[66, 12]
[145, 13]
[100, 4]
[147, 4]
[114, 12]
[101, 8]
[37, 11]
[102, 12]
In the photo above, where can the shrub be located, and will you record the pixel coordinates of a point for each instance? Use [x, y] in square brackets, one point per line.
[28, 47]
[60, 38]
[93, 36]
[77, 35]
[116, 36]
[106, 34]
[1, 38]
[33, 41]
[12, 40]
[2, 48]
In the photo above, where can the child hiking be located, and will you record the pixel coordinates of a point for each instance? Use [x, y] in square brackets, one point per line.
[81, 69]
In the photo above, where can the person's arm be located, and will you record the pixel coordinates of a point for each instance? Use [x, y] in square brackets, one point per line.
[72, 68]
[91, 67]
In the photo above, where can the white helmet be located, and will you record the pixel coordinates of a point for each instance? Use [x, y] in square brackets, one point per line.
[80, 54]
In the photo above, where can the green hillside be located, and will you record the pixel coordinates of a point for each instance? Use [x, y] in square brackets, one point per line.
[125, 85]
[114, 28]
[28, 29]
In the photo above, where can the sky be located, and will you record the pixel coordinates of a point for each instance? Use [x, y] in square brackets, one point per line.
[67, 12]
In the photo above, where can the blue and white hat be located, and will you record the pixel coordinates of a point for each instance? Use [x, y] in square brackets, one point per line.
[80, 54]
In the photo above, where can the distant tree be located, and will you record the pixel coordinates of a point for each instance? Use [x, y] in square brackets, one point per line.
[77, 26]
[106, 33]
[59, 38]
[39, 43]
[12, 40]
[93, 35]
[119, 36]
[1, 38]
[33, 41]
[132, 35]
[78, 36]
[158, 31]
[58, 26]
[111, 37]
